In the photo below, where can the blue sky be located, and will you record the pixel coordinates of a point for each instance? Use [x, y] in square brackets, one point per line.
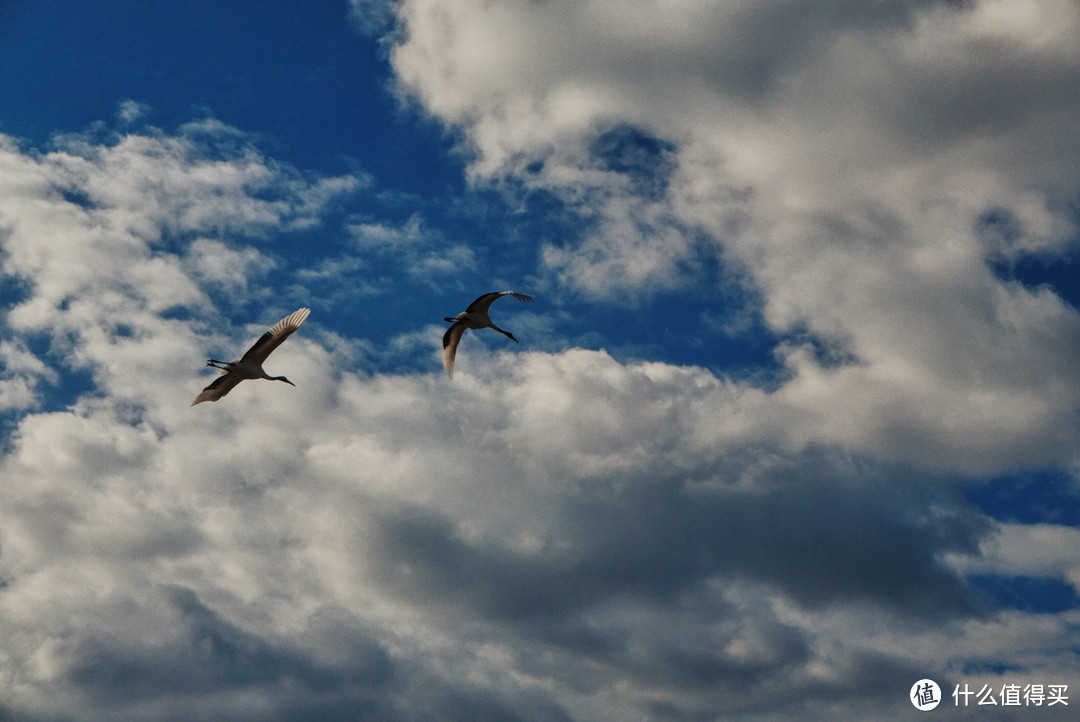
[792, 423]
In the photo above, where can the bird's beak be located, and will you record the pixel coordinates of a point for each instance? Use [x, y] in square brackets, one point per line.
[290, 383]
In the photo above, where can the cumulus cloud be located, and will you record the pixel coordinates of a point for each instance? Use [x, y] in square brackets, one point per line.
[863, 167]
[516, 545]
[556, 535]
[365, 536]
[559, 537]
[23, 372]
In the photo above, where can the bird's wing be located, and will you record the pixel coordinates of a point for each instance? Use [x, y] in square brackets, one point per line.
[484, 302]
[218, 387]
[275, 336]
[450, 341]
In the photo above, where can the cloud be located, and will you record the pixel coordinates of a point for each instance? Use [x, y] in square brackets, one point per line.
[214, 262]
[22, 373]
[371, 17]
[519, 559]
[1029, 550]
[423, 252]
[556, 535]
[844, 162]
[131, 111]
[111, 235]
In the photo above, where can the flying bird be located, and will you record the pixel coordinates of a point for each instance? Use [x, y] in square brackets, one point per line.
[250, 365]
[474, 317]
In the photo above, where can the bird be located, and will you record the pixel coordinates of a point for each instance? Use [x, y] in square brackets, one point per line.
[474, 317]
[250, 364]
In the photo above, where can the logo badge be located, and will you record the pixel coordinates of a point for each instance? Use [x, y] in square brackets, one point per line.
[925, 695]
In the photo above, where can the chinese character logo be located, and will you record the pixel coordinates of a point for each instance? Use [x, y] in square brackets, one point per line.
[925, 695]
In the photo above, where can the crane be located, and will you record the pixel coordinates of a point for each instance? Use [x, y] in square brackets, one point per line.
[250, 364]
[474, 317]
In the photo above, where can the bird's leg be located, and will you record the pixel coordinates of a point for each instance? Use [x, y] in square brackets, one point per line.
[219, 364]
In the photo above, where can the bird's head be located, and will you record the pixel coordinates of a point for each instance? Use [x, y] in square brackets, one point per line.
[282, 378]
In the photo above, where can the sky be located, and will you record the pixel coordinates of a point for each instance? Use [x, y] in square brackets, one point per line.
[792, 425]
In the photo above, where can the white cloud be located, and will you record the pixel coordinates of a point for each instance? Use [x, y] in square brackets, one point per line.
[552, 536]
[842, 160]
[21, 375]
[1035, 550]
[108, 234]
[131, 111]
[563, 518]
[214, 262]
